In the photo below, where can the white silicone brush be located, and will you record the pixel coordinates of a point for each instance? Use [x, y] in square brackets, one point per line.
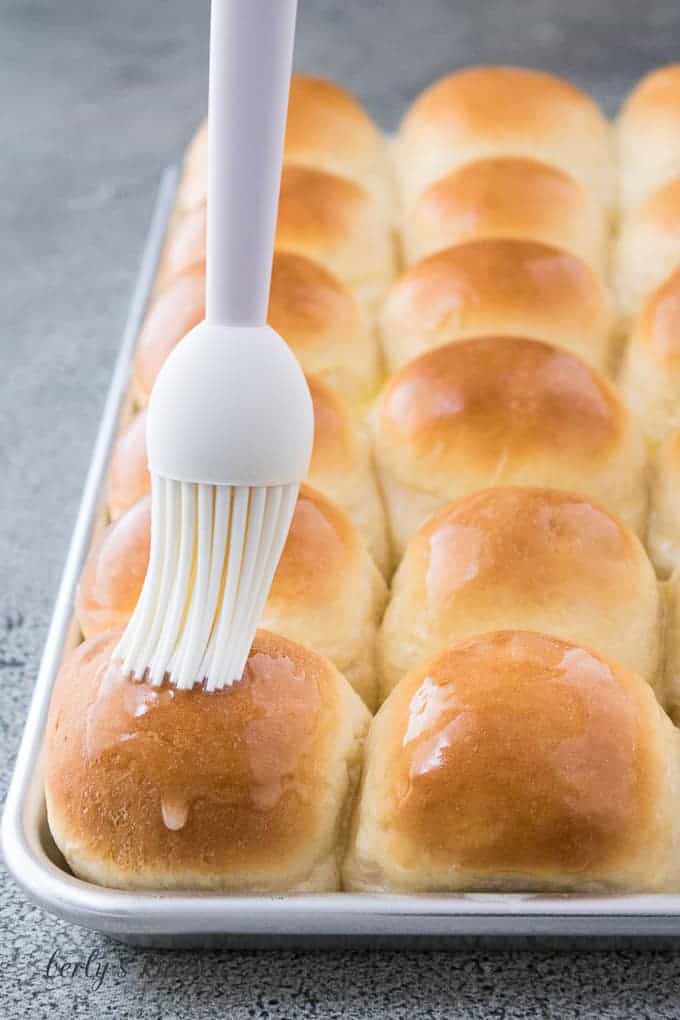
[230, 421]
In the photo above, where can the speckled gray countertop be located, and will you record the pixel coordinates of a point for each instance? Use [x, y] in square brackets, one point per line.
[96, 97]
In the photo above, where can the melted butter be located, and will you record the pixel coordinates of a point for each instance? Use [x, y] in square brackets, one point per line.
[454, 559]
[174, 810]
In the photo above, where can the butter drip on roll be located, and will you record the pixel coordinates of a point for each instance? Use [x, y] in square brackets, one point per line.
[528, 558]
[245, 789]
[517, 761]
[503, 411]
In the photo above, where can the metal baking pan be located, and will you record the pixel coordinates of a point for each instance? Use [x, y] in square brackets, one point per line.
[169, 919]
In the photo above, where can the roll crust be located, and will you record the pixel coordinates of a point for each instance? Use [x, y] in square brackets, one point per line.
[521, 288]
[497, 111]
[648, 247]
[527, 558]
[503, 410]
[648, 130]
[243, 789]
[517, 761]
[508, 197]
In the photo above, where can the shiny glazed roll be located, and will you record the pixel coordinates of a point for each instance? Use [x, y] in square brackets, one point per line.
[648, 247]
[316, 314]
[650, 373]
[663, 536]
[517, 761]
[245, 789]
[519, 288]
[340, 468]
[508, 197]
[500, 411]
[648, 132]
[503, 111]
[327, 591]
[530, 559]
[327, 129]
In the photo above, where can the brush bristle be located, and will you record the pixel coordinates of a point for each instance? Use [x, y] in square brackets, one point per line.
[214, 551]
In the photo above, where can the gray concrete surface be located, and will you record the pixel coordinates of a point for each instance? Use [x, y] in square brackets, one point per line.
[94, 98]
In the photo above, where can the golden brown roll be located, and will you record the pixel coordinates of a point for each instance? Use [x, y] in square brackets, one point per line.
[518, 287]
[338, 224]
[517, 761]
[648, 131]
[325, 326]
[341, 468]
[327, 218]
[128, 479]
[663, 535]
[503, 111]
[508, 197]
[243, 789]
[327, 129]
[114, 572]
[497, 411]
[327, 591]
[529, 559]
[176, 310]
[650, 373]
[316, 314]
[648, 247]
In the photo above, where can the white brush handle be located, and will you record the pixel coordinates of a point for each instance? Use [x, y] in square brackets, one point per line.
[251, 56]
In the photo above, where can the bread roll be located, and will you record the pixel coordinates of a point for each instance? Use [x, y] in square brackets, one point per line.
[648, 131]
[650, 373]
[175, 311]
[508, 197]
[663, 536]
[518, 287]
[648, 247]
[340, 468]
[245, 789]
[114, 572]
[336, 222]
[503, 410]
[327, 218]
[327, 591]
[325, 326]
[315, 313]
[128, 479]
[530, 559]
[503, 111]
[327, 129]
[516, 761]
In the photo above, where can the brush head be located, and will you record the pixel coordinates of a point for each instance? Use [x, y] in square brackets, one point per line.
[231, 406]
[229, 434]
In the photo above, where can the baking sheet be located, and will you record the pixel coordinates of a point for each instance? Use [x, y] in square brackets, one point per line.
[171, 919]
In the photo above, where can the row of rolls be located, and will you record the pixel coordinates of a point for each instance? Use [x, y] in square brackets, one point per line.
[484, 553]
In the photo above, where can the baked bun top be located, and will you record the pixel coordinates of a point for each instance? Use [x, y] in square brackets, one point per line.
[327, 128]
[495, 111]
[239, 788]
[648, 134]
[518, 760]
[499, 405]
[128, 479]
[516, 287]
[529, 558]
[508, 197]
[175, 311]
